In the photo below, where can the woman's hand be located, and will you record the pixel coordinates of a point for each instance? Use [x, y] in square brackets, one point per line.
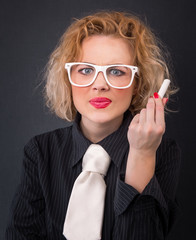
[144, 136]
[147, 127]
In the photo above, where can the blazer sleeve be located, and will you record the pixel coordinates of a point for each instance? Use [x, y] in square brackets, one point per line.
[27, 214]
[151, 214]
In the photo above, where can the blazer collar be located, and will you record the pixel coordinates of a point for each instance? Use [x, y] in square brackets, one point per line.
[116, 144]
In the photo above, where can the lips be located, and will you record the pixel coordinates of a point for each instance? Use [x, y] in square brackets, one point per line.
[100, 102]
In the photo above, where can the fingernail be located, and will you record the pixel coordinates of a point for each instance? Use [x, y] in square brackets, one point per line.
[151, 96]
[156, 95]
[166, 100]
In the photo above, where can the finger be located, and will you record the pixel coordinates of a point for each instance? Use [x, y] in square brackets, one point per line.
[164, 101]
[142, 118]
[159, 111]
[150, 107]
[135, 120]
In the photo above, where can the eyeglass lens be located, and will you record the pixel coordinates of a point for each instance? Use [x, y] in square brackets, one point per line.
[118, 76]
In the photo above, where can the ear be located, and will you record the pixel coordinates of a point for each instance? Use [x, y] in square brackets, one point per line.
[135, 88]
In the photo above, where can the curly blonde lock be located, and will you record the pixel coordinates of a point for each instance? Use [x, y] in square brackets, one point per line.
[148, 57]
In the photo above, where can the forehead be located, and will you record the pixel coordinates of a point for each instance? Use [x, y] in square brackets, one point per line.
[104, 50]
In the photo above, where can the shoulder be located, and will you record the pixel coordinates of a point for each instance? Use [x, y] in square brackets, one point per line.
[169, 152]
[50, 140]
[168, 142]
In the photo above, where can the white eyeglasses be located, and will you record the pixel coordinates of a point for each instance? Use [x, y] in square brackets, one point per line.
[84, 74]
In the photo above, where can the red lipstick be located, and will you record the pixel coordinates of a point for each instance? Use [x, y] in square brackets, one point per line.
[100, 102]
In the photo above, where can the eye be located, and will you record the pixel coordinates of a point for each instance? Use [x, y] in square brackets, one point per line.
[86, 71]
[116, 72]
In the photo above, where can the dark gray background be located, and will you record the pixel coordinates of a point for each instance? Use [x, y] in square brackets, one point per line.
[29, 32]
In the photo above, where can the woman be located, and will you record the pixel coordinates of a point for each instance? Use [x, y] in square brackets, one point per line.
[113, 70]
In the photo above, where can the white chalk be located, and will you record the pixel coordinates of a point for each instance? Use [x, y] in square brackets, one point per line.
[164, 88]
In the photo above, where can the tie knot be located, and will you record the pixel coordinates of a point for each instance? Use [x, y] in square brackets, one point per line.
[96, 159]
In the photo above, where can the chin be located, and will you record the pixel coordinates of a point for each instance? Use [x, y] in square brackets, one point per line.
[104, 116]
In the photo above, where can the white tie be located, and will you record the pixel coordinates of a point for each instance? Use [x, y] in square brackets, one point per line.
[84, 216]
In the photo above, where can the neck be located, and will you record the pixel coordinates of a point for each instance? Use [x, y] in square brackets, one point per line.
[96, 132]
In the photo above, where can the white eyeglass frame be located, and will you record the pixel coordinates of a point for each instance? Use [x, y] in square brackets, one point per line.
[100, 69]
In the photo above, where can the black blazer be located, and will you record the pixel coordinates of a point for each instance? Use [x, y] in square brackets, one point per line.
[52, 162]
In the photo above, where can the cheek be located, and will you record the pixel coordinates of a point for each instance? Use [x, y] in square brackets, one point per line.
[124, 96]
[78, 95]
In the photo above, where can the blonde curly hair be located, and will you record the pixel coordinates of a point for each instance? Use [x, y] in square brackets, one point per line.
[148, 57]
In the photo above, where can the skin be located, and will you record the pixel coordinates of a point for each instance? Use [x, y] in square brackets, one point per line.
[144, 136]
[96, 124]
[146, 129]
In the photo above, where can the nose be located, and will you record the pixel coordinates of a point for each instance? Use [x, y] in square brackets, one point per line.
[100, 83]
